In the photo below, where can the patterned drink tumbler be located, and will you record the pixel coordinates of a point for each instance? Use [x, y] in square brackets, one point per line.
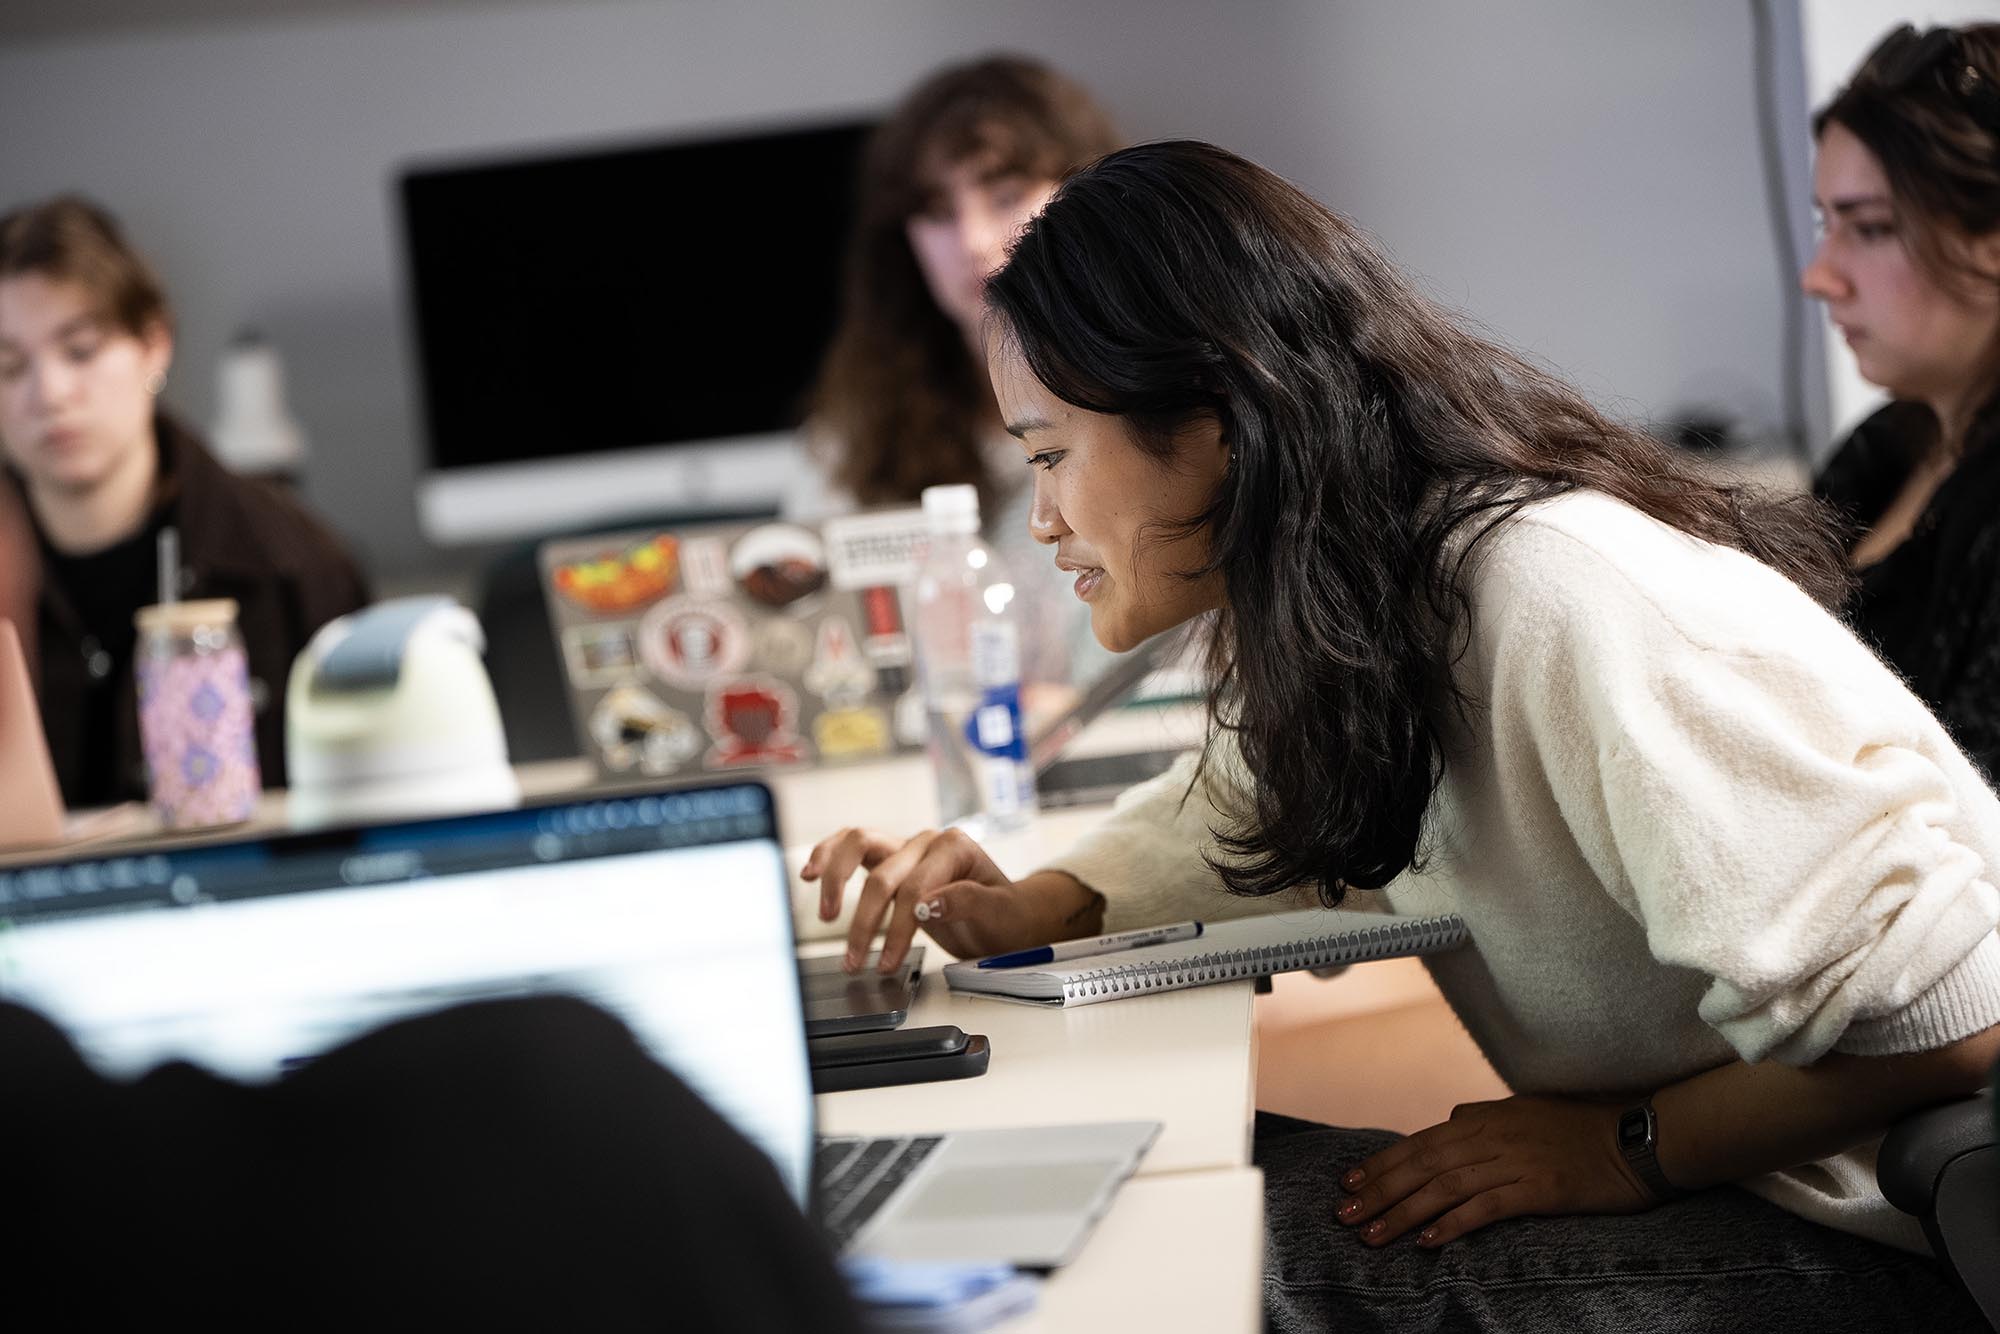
[196, 721]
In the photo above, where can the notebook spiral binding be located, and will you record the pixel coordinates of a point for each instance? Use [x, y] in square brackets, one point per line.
[1418, 936]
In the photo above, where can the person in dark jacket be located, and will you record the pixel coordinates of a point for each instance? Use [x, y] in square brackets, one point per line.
[1908, 186]
[98, 469]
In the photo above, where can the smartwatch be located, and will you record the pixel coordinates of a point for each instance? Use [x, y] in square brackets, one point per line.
[1638, 1140]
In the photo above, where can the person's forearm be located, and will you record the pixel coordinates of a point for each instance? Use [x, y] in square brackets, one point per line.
[1741, 1120]
[1065, 907]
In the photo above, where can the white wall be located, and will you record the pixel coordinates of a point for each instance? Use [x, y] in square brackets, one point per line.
[1582, 178]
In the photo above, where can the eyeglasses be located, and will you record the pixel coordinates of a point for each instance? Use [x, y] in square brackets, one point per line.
[1906, 56]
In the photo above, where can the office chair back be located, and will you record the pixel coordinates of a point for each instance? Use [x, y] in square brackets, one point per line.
[1942, 1165]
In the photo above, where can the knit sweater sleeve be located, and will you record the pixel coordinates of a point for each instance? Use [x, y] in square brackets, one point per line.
[1759, 792]
[1151, 858]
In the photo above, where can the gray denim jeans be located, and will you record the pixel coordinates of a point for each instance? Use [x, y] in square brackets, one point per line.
[1718, 1260]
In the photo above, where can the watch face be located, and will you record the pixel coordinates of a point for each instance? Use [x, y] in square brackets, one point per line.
[1632, 1129]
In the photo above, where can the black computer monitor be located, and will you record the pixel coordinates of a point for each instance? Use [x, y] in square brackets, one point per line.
[620, 331]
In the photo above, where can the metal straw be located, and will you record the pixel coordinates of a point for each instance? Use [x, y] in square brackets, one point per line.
[170, 565]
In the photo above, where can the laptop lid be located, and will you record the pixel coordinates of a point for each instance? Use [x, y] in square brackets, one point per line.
[31, 808]
[723, 647]
[668, 909]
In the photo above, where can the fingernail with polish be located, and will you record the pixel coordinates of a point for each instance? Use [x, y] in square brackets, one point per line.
[1373, 1231]
[1348, 1210]
[1353, 1179]
[1428, 1237]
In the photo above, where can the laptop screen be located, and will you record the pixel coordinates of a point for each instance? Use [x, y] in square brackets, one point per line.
[670, 910]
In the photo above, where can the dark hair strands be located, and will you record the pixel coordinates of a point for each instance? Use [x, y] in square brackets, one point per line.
[70, 239]
[1374, 443]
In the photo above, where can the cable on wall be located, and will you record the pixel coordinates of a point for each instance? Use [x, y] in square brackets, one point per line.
[1792, 300]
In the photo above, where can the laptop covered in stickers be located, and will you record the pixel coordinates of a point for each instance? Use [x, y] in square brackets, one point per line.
[717, 647]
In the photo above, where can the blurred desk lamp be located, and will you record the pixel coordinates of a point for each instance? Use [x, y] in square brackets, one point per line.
[255, 433]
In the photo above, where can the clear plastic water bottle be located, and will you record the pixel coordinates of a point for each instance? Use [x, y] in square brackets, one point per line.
[969, 652]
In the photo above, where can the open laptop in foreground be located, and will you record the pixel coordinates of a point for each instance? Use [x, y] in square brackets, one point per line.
[669, 909]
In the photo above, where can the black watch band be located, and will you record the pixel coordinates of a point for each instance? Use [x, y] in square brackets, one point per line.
[1638, 1140]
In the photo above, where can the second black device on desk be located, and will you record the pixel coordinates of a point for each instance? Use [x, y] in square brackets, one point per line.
[899, 1056]
[853, 1028]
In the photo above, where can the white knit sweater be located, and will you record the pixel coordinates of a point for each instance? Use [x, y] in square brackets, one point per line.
[1692, 820]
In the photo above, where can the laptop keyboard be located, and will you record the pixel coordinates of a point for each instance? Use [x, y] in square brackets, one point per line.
[856, 1177]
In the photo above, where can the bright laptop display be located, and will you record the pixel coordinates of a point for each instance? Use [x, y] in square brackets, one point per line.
[670, 910]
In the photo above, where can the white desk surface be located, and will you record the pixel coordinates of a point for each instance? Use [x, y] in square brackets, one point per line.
[1183, 1058]
[1178, 1253]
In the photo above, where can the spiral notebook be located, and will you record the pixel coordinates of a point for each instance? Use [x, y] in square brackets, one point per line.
[1224, 952]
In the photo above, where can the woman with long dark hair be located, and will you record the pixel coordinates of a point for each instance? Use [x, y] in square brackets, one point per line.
[948, 180]
[1908, 188]
[1474, 645]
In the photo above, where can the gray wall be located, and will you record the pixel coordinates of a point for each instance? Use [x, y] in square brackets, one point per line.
[1580, 178]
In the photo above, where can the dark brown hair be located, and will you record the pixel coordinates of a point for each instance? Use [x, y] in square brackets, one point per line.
[71, 239]
[1928, 108]
[899, 395]
[1374, 443]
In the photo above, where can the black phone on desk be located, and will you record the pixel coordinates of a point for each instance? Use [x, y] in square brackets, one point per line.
[899, 1056]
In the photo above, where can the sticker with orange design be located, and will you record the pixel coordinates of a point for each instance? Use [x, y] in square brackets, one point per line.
[621, 581]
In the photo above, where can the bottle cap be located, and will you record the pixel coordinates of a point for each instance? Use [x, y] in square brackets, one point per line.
[186, 617]
[952, 509]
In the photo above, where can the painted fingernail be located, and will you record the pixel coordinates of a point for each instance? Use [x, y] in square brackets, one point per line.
[1428, 1237]
[1348, 1210]
[1354, 1179]
[1373, 1232]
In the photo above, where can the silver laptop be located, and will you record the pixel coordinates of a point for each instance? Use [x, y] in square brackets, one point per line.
[669, 909]
[727, 647]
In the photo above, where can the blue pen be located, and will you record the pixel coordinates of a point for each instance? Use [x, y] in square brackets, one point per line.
[1083, 949]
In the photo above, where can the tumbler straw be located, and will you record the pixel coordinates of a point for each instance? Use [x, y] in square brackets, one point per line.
[170, 565]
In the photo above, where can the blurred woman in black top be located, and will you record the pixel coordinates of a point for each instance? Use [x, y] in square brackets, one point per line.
[1907, 184]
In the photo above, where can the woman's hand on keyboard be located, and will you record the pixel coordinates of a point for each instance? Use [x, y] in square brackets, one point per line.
[944, 881]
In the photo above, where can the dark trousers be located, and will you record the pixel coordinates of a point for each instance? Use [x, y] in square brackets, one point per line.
[1719, 1260]
[515, 1164]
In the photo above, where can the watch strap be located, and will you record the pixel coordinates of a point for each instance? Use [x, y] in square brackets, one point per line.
[1638, 1141]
